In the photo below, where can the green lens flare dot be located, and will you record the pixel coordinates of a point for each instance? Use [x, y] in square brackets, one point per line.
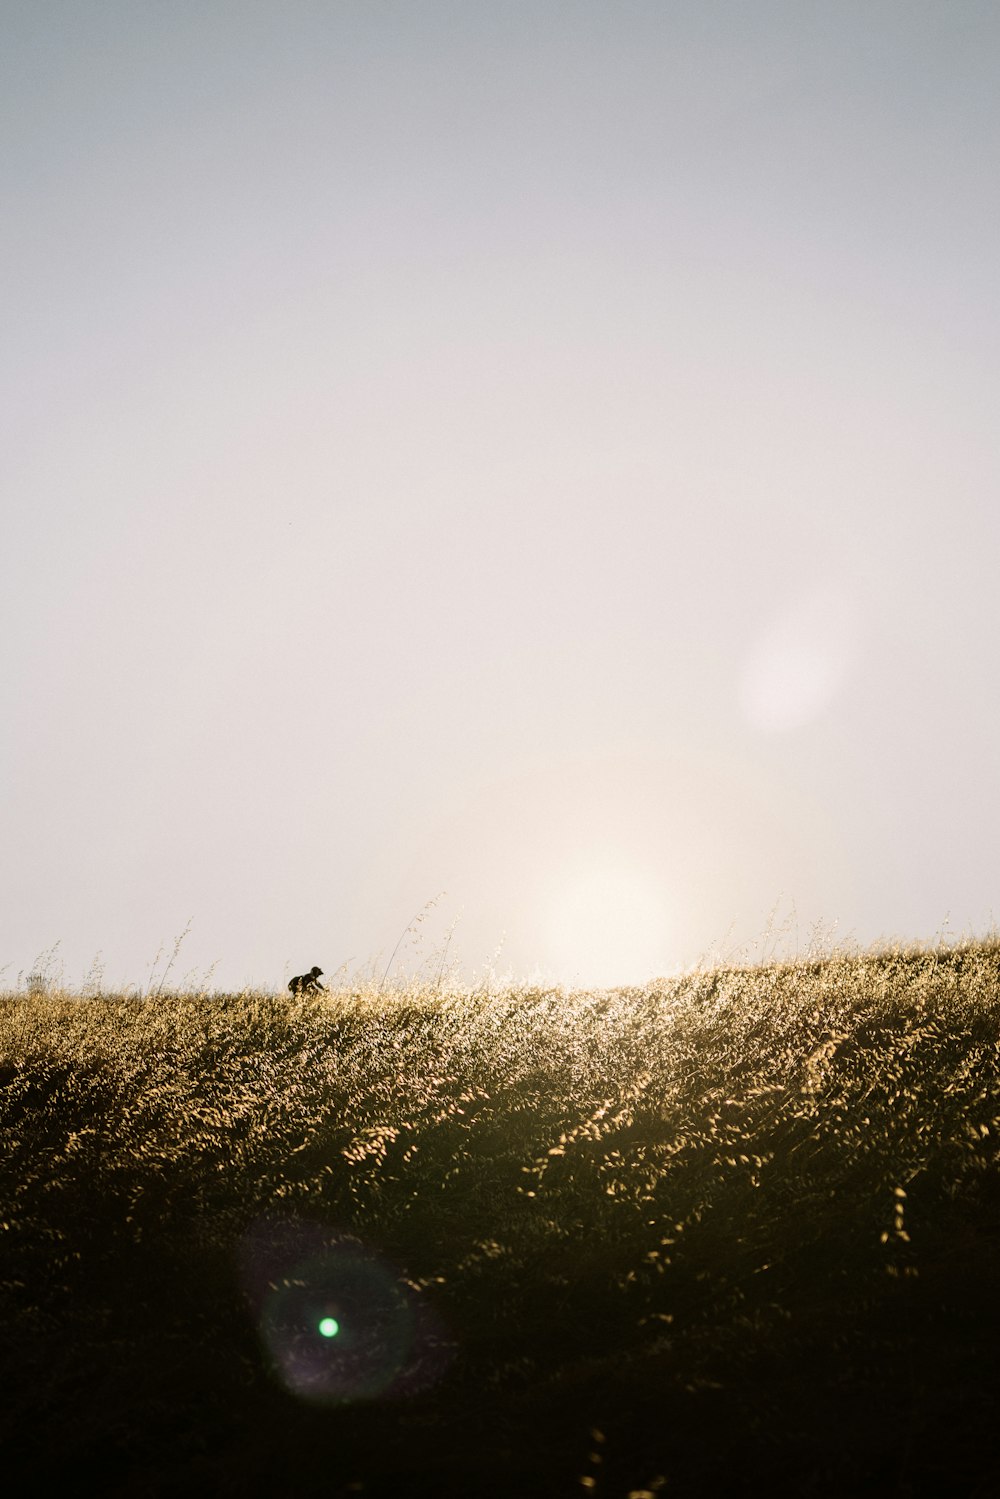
[329, 1327]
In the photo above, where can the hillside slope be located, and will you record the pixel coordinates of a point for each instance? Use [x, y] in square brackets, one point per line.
[739, 1232]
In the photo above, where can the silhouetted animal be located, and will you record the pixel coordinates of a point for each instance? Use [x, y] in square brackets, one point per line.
[307, 983]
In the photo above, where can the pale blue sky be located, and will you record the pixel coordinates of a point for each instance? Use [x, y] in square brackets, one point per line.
[542, 452]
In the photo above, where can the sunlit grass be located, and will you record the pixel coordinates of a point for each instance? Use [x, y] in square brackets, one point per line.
[659, 1213]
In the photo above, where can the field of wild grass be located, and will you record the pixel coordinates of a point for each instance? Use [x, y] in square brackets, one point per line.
[737, 1233]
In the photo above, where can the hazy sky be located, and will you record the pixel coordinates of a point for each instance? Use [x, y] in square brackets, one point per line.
[543, 452]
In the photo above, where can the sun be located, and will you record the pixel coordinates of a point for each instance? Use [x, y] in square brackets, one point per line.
[605, 923]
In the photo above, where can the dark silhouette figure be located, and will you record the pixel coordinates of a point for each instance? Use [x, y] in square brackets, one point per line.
[308, 983]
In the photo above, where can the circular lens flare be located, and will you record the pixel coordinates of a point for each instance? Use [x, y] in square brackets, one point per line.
[337, 1323]
[799, 664]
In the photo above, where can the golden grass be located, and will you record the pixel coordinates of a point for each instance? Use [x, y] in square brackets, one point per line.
[678, 1190]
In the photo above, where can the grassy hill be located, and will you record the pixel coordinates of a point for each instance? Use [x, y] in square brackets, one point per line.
[729, 1234]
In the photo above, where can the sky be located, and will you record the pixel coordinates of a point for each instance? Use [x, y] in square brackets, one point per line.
[532, 464]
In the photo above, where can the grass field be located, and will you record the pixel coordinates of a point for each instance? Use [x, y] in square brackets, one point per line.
[736, 1233]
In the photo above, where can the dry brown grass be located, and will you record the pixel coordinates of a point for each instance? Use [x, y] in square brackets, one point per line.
[664, 1213]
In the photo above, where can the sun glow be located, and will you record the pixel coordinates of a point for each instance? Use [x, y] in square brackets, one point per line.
[606, 924]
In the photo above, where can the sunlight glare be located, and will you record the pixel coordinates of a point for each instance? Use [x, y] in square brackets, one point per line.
[606, 924]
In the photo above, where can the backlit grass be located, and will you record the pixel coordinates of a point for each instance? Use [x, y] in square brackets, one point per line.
[737, 1232]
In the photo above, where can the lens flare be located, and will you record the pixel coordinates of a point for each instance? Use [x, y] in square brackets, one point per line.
[337, 1323]
[799, 664]
[374, 1323]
